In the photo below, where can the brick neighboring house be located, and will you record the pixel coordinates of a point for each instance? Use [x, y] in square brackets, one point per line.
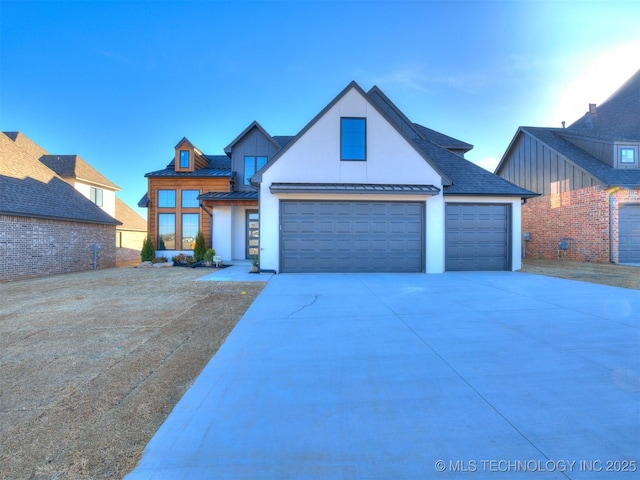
[46, 225]
[589, 178]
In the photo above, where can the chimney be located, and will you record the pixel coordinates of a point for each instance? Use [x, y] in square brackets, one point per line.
[592, 109]
[563, 123]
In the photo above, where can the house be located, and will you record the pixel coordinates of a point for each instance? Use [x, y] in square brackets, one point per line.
[131, 232]
[208, 193]
[46, 225]
[360, 188]
[588, 176]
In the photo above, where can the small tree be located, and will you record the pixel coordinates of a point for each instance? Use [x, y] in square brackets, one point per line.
[200, 248]
[148, 253]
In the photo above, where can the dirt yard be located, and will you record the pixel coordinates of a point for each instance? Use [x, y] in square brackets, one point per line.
[92, 363]
[606, 274]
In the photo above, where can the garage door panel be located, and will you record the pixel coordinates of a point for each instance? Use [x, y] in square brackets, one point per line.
[352, 236]
[629, 233]
[477, 237]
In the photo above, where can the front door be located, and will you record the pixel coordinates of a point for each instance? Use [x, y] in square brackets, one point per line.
[253, 233]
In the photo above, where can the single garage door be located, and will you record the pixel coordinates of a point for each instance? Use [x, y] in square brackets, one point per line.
[477, 236]
[345, 236]
[629, 233]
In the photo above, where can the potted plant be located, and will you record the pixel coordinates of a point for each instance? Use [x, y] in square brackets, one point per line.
[255, 268]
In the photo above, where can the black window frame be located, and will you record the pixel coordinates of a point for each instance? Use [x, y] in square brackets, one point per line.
[351, 158]
[246, 177]
[159, 198]
[188, 165]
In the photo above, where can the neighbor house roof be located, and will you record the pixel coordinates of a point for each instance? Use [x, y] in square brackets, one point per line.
[72, 166]
[606, 174]
[617, 118]
[29, 188]
[129, 218]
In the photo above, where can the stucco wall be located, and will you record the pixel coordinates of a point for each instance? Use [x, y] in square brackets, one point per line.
[32, 247]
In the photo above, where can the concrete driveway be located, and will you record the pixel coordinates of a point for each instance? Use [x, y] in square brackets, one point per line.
[459, 375]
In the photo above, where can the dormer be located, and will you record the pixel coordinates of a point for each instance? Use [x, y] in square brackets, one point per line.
[188, 158]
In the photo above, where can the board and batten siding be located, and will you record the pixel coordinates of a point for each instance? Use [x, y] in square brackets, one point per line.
[253, 144]
[534, 166]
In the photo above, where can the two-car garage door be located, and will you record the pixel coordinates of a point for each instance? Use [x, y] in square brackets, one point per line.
[351, 236]
[359, 236]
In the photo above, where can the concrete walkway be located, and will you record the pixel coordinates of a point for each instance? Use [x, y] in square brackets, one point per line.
[460, 375]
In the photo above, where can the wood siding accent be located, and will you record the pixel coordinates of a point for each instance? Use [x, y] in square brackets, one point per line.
[531, 164]
[204, 185]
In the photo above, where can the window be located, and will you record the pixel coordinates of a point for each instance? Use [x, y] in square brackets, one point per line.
[251, 166]
[96, 196]
[166, 199]
[190, 198]
[190, 223]
[353, 139]
[166, 231]
[184, 158]
[627, 155]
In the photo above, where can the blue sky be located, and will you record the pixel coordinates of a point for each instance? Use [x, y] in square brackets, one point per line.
[120, 83]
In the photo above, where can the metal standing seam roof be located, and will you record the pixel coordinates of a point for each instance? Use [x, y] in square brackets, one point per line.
[237, 195]
[362, 188]
[203, 172]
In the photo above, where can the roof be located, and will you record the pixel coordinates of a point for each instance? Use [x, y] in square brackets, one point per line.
[28, 188]
[353, 188]
[606, 174]
[237, 195]
[617, 118]
[72, 166]
[203, 172]
[144, 201]
[251, 126]
[459, 176]
[469, 178]
[129, 218]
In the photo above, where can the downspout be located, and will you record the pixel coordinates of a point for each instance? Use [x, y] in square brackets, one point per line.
[210, 213]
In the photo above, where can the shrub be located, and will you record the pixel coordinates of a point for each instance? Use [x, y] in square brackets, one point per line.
[148, 253]
[159, 260]
[200, 248]
[190, 259]
[209, 254]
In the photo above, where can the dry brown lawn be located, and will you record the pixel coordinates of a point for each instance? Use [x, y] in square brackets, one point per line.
[92, 363]
[604, 273]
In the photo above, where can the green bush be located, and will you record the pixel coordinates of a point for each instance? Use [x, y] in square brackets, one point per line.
[200, 248]
[209, 254]
[148, 253]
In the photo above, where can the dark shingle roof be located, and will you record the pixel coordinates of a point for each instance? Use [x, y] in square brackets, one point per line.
[28, 188]
[144, 201]
[468, 178]
[441, 139]
[617, 118]
[605, 173]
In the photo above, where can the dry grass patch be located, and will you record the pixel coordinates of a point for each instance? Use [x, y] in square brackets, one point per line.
[603, 273]
[92, 363]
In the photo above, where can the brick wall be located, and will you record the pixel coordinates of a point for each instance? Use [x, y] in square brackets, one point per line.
[580, 216]
[32, 247]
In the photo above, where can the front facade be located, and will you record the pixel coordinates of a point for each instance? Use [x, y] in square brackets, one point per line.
[363, 189]
[360, 189]
[588, 175]
[211, 194]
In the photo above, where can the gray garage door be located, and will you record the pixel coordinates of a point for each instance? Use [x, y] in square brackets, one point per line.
[351, 236]
[629, 234]
[477, 236]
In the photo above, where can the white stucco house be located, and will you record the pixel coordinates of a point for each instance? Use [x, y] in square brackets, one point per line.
[363, 189]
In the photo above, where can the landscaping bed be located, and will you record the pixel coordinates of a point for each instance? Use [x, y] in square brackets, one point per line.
[92, 363]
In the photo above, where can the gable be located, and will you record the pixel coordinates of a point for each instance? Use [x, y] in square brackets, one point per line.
[314, 155]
